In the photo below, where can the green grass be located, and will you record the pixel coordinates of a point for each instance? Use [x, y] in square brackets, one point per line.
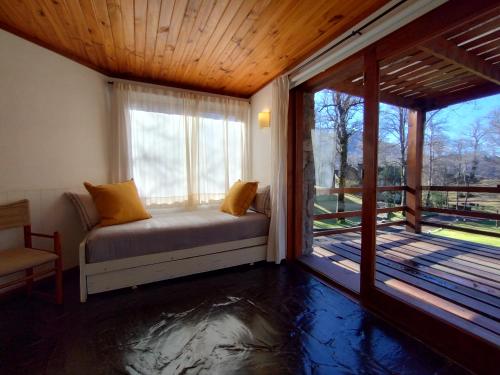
[328, 203]
[486, 225]
[471, 237]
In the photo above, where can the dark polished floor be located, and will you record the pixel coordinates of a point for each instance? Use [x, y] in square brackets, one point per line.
[264, 319]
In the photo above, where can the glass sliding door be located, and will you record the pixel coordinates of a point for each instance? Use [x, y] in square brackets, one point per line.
[333, 181]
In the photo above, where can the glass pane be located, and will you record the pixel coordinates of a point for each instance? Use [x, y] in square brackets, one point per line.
[338, 139]
[462, 149]
[393, 145]
[337, 146]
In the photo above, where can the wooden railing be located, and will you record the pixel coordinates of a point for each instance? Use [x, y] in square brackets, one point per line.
[450, 211]
[348, 214]
[446, 211]
[358, 190]
[465, 189]
[465, 213]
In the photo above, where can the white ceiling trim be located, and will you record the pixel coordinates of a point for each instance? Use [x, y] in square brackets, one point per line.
[392, 21]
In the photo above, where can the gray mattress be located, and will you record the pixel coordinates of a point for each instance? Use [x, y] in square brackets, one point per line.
[175, 231]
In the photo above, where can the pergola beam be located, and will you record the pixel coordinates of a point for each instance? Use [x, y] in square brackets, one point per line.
[449, 51]
[387, 98]
[438, 21]
[475, 92]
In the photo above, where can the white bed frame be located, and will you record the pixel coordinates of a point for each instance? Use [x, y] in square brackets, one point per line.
[133, 271]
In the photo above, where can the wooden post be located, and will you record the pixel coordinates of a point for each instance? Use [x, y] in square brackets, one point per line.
[58, 268]
[370, 151]
[416, 122]
[27, 236]
[29, 272]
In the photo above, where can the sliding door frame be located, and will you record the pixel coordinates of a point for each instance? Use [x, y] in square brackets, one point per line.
[463, 346]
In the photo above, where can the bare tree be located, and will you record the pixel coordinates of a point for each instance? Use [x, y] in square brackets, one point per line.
[340, 111]
[435, 141]
[494, 131]
[461, 164]
[394, 126]
[477, 133]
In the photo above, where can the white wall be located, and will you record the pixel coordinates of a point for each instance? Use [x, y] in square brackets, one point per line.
[53, 136]
[261, 138]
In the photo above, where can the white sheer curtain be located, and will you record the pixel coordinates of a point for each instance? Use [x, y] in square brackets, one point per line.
[276, 246]
[181, 147]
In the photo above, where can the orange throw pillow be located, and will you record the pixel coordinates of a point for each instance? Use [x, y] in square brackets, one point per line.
[117, 203]
[239, 198]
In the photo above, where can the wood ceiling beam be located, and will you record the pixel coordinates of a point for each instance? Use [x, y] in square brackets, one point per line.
[448, 51]
[471, 93]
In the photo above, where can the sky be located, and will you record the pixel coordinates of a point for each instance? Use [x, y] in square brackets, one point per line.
[458, 117]
[465, 114]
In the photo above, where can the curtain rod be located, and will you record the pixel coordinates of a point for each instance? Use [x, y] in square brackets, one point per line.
[360, 29]
[353, 33]
[111, 82]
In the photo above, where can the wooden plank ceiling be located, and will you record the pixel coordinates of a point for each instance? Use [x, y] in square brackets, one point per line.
[227, 46]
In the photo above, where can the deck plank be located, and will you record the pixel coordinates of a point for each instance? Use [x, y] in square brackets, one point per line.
[472, 246]
[418, 255]
[467, 266]
[412, 260]
[451, 249]
[456, 276]
[385, 273]
[463, 265]
[441, 278]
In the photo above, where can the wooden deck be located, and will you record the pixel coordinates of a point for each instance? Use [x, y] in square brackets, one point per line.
[458, 280]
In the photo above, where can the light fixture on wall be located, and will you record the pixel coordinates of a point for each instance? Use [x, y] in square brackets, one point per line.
[264, 119]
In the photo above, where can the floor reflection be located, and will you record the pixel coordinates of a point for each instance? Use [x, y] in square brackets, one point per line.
[264, 319]
[224, 338]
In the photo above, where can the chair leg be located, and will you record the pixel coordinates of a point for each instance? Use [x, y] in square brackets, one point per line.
[29, 283]
[59, 282]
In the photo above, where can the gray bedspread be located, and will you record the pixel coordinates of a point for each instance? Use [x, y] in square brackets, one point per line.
[174, 231]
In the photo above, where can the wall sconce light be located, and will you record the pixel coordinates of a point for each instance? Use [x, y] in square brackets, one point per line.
[264, 119]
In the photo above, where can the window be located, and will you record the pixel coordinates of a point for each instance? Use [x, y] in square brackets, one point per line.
[181, 149]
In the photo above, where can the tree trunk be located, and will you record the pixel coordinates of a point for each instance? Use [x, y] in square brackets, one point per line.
[403, 175]
[467, 181]
[428, 194]
[403, 117]
[342, 176]
[334, 182]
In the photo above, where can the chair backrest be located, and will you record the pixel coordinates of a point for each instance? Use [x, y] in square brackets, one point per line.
[15, 214]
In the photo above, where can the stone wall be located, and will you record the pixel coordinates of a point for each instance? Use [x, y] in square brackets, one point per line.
[308, 173]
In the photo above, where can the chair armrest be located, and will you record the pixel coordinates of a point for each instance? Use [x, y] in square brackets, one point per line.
[55, 236]
[42, 235]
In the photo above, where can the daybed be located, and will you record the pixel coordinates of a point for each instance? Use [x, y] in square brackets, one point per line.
[168, 246]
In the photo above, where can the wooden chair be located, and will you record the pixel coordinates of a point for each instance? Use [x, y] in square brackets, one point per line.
[17, 214]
